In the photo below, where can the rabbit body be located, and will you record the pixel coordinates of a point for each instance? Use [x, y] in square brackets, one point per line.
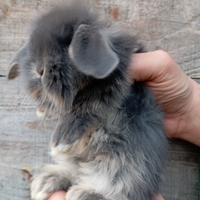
[110, 144]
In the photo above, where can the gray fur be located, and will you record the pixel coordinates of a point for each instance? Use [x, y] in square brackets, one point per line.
[110, 143]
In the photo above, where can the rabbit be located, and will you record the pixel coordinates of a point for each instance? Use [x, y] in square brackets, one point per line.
[110, 143]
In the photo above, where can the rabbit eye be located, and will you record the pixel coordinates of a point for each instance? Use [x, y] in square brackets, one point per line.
[42, 72]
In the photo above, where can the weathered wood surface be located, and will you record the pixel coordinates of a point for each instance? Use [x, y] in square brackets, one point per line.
[171, 25]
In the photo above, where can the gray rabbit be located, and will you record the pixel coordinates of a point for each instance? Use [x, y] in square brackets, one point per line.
[110, 144]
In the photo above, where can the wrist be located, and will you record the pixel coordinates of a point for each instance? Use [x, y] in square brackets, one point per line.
[191, 130]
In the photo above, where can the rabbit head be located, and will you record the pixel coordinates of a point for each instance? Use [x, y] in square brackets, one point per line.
[69, 49]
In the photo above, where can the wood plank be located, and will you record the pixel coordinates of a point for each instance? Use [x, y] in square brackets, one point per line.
[182, 172]
[13, 184]
[173, 26]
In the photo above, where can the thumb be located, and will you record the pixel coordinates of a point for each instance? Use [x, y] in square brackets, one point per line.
[148, 66]
[58, 195]
[158, 197]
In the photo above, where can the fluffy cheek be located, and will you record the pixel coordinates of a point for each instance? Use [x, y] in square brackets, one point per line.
[57, 100]
[43, 94]
[52, 84]
[59, 90]
[34, 87]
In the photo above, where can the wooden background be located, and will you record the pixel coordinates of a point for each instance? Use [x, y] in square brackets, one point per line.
[171, 25]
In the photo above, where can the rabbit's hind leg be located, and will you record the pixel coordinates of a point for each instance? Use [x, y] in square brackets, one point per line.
[83, 192]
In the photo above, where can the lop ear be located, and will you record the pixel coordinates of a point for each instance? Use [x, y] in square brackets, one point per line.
[91, 52]
[13, 69]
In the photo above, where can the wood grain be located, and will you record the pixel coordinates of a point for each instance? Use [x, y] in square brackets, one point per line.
[173, 26]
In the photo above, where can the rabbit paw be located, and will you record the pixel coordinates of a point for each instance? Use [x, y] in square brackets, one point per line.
[47, 179]
[82, 192]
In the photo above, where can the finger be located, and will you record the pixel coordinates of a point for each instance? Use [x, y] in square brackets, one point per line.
[58, 195]
[158, 197]
[148, 66]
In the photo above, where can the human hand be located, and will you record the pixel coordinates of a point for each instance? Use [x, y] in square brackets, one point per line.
[60, 195]
[178, 95]
[158, 197]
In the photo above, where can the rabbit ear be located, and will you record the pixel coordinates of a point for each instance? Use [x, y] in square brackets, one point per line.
[13, 69]
[91, 52]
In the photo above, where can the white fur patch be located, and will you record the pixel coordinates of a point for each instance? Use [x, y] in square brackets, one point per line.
[60, 149]
[71, 52]
[40, 114]
[63, 148]
[39, 196]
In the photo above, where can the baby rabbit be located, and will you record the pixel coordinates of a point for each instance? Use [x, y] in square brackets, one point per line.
[110, 144]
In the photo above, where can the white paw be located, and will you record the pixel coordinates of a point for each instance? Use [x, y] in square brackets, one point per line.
[37, 191]
[63, 148]
[39, 196]
[60, 149]
[47, 179]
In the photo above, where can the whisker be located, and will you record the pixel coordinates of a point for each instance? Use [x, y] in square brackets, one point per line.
[41, 103]
[20, 105]
[49, 112]
[23, 120]
[43, 99]
[16, 102]
[16, 113]
[40, 124]
[58, 119]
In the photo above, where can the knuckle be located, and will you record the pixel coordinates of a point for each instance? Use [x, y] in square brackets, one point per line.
[165, 58]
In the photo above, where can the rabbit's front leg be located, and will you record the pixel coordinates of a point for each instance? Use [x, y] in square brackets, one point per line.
[47, 179]
[72, 128]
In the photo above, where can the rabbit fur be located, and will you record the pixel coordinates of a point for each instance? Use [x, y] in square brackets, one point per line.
[110, 144]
